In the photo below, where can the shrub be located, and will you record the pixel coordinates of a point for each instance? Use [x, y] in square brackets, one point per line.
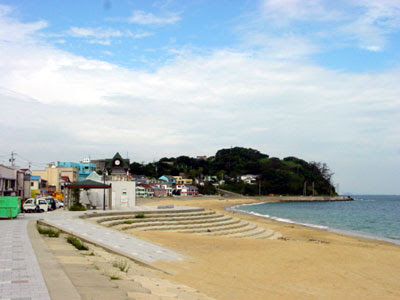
[77, 207]
[121, 265]
[48, 231]
[77, 243]
[140, 216]
[128, 222]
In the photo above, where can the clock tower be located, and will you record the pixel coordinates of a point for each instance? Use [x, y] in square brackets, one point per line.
[117, 167]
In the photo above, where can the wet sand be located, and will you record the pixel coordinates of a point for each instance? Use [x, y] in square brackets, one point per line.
[307, 263]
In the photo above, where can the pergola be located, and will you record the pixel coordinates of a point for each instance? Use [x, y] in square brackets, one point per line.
[87, 185]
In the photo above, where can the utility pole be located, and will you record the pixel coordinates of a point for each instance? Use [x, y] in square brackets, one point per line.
[313, 186]
[12, 159]
[104, 188]
[305, 188]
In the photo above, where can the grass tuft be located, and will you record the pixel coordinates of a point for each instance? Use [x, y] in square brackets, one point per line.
[48, 231]
[77, 243]
[122, 265]
[140, 216]
[128, 222]
[77, 208]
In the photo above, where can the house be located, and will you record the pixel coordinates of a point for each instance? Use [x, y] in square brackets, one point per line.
[11, 181]
[178, 179]
[148, 190]
[189, 190]
[160, 192]
[168, 179]
[140, 191]
[249, 178]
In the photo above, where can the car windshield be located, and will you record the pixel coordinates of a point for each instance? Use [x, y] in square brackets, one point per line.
[28, 202]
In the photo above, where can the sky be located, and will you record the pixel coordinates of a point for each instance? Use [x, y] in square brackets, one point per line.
[315, 79]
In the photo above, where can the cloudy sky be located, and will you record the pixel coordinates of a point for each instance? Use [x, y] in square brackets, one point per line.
[319, 80]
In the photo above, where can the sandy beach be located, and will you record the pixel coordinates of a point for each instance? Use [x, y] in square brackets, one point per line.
[307, 263]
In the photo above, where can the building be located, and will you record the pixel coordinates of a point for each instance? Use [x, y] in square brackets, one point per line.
[168, 179]
[249, 178]
[11, 181]
[160, 192]
[53, 175]
[123, 193]
[189, 190]
[84, 168]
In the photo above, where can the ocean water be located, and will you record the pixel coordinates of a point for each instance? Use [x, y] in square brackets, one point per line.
[372, 216]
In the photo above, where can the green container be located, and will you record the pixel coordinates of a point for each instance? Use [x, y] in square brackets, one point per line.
[10, 206]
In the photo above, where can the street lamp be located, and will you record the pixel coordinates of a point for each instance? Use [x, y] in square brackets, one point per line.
[104, 188]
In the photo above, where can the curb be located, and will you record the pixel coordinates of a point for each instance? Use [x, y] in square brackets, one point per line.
[104, 246]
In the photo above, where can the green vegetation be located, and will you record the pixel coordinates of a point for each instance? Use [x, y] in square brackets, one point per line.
[128, 222]
[140, 216]
[48, 231]
[78, 207]
[288, 176]
[77, 243]
[122, 265]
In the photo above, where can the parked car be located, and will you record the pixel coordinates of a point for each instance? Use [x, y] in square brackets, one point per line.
[36, 205]
[59, 203]
[52, 203]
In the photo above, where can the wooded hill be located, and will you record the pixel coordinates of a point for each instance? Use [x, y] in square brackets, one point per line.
[288, 176]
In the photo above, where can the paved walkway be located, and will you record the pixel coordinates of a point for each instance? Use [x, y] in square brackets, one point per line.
[121, 242]
[20, 275]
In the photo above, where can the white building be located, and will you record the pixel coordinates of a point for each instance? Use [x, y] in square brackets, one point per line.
[123, 193]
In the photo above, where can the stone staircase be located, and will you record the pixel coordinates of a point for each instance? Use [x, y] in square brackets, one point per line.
[204, 222]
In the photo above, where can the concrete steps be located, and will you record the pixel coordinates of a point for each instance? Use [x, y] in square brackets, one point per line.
[213, 228]
[204, 222]
[235, 230]
[219, 219]
[209, 217]
[101, 219]
[188, 227]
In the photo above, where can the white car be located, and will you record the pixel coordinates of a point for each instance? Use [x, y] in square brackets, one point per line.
[36, 205]
[59, 203]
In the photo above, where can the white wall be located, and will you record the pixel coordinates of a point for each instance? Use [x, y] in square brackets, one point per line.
[123, 195]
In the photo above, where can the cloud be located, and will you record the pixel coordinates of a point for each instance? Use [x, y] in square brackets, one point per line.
[367, 24]
[194, 104]
[103, 36]
[377, 20]
[142, 18]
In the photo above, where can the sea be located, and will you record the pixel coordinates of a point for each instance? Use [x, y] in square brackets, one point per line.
[370, 216]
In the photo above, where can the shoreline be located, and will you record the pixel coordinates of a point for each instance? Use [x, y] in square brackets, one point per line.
[304, 264]
[348, 232]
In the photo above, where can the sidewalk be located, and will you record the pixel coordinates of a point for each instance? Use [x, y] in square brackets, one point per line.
[20, 275]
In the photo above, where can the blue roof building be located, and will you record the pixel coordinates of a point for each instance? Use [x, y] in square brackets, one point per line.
[84, 168]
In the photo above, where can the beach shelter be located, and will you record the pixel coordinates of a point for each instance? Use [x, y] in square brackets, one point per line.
[87, 185]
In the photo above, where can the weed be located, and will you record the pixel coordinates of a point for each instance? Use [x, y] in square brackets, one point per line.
[96, 267]
[89, 254]
[112, 276]
[48, 231]
[76, 207]
[76, 243]
[140, 216]
[121, 265]
[128, 222]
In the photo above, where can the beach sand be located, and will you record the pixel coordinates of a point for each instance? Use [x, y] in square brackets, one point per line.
[307, 264]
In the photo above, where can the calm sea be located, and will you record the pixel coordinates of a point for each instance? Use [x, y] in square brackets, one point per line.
[372, 216]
